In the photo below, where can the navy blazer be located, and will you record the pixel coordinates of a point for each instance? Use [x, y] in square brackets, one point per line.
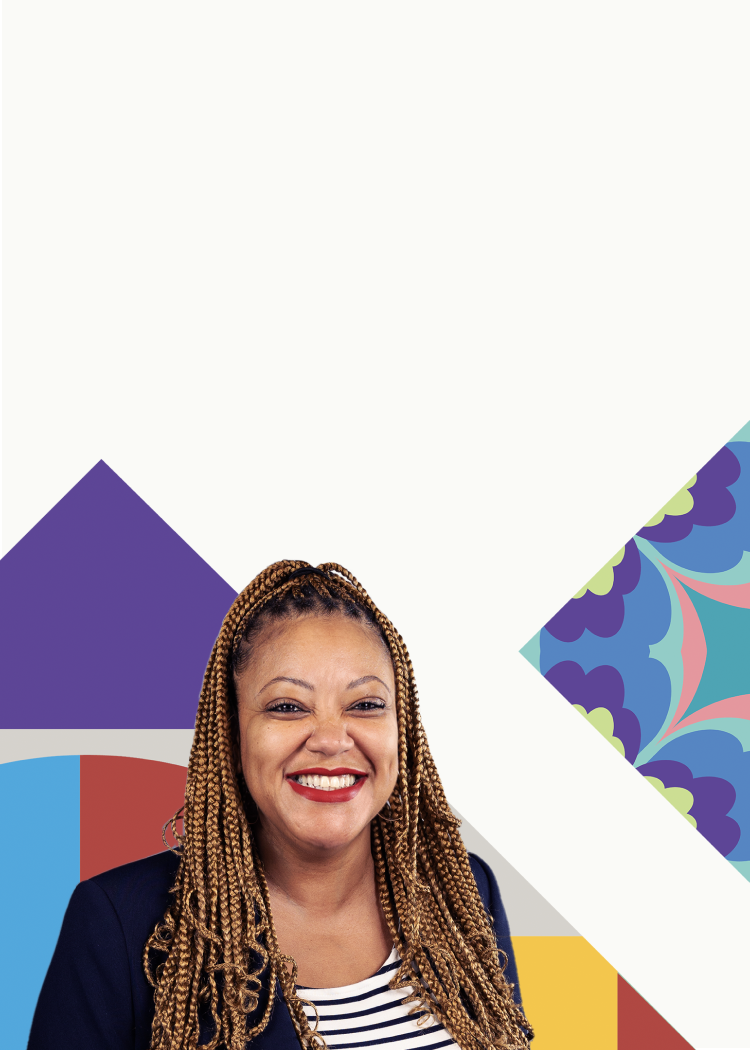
[96, 995]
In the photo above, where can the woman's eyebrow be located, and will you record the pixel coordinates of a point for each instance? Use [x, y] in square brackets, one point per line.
[366, 678]
[284, 678]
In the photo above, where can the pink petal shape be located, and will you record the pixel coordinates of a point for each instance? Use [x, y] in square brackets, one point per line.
[737, 594]
[693, 651]
[732, 707]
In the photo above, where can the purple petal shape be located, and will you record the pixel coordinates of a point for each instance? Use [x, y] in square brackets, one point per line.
[601, 687]
[713, 504]
[713, 798]
[602, 614]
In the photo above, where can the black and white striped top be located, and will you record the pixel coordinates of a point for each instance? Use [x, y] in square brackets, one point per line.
[369, 1013]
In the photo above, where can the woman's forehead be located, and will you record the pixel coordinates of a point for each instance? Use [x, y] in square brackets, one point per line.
[318, 639]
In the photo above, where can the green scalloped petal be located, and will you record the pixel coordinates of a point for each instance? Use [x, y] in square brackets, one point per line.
[680, 503]
[680, 798]
[601, 719]
[601, 582]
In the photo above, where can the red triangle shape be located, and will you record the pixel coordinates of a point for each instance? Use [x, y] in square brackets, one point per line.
[640, 1027]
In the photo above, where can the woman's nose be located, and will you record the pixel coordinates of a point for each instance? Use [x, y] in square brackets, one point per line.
[330, 737]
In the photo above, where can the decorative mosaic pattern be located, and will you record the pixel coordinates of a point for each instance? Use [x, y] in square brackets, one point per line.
[654, 651]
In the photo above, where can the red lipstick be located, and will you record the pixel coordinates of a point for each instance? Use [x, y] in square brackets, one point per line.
[345, 794]
[339, 771]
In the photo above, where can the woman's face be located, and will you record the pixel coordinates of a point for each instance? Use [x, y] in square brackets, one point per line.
[318, 730]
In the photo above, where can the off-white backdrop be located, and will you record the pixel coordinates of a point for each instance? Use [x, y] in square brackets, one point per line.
[453, 294]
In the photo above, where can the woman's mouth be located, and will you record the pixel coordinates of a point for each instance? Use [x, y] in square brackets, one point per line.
[331, 785]
[325, 783]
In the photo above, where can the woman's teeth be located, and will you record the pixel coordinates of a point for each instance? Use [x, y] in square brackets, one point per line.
[326, 783]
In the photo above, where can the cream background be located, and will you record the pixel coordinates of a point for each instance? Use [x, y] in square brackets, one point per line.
[454, 294]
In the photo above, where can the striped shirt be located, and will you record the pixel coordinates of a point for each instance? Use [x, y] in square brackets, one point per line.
[369, 1013]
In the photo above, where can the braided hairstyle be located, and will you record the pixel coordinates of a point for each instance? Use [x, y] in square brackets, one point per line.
[218, 934]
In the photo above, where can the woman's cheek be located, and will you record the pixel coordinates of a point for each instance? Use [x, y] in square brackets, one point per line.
[380, 742]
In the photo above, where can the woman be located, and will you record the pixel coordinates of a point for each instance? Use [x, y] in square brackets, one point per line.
[317, 844]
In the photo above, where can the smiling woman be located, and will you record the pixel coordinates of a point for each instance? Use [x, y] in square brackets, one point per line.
[320, 862]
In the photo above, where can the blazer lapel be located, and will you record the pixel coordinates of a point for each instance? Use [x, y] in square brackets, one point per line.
[279, 1033]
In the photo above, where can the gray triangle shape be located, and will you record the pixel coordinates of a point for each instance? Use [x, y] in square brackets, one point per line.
[529, 914]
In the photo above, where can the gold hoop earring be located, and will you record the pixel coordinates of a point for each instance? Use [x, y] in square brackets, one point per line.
[172, 823]
[382, 816]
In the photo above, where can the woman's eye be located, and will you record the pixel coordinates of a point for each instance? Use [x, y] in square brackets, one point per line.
[368, 705]
[286, 707]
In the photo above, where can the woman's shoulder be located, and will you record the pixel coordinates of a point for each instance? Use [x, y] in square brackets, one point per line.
[489, 891]
[139, 878]
[485, 880]
[138, 892]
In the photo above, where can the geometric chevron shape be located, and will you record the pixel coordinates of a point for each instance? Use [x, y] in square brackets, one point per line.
[107, 616]
[652, 651]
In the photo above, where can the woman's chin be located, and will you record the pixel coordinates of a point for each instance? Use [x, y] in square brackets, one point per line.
[309, 826]
[328, 833]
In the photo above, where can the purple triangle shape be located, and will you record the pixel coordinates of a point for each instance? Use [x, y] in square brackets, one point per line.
[107, 616]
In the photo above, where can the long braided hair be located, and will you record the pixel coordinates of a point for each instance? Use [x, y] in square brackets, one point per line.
[218, 934]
